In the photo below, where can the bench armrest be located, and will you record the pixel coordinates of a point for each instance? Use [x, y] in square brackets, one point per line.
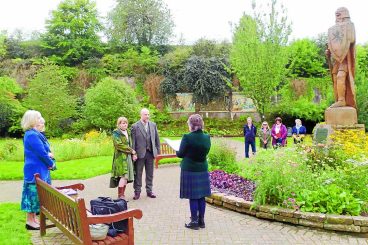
[74, 187]
[130, 213]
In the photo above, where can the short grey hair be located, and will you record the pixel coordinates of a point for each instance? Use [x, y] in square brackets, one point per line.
[195, 122]
[30, 119]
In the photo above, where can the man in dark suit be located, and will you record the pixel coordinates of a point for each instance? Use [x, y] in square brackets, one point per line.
[146, 142]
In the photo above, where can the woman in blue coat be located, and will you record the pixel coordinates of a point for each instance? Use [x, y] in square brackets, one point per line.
[37, 159]
[298, 132]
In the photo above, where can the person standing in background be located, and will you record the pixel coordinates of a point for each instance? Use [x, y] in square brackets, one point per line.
[279, 133]
[146, 143]
[250, 133]
[264, 135]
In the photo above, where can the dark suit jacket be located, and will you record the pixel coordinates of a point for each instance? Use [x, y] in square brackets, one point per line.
[139, 135]
[194, 148]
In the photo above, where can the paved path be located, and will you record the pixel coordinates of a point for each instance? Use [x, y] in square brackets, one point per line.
[163, 218]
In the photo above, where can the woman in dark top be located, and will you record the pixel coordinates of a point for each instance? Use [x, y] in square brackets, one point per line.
[194, 177]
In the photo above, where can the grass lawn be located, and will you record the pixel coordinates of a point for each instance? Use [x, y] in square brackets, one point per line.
[74, 169]
[12, 222]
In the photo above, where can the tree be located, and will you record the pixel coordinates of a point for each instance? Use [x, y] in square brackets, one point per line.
[47, 93]
[361, 80]
[258, 55]
[10, 108]
[173, 64]
[206, 78]
[304, 59]
[107, 101]
[2, 46]
[142, 22]
[71, 32]
[210, 48]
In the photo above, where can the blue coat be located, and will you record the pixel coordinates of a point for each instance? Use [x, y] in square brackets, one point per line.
[250, 133]
[36, 158]
[302, 130]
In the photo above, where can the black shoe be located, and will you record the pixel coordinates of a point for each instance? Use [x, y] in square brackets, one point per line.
[151, 195]
[31, 228]
[136, 196]
[192, 225]
[201, 223]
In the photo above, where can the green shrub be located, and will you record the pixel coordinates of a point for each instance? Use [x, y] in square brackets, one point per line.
[278, 175]
[48, 93]
[107, 101]
[319, 158]
[222, 157]
[329, 199]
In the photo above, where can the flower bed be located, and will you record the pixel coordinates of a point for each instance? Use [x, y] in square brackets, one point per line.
[232, 184]
[347, 223]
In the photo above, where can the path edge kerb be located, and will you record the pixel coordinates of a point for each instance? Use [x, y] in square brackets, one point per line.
[345, 223]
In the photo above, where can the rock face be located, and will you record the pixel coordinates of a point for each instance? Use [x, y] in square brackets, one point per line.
[341, 116]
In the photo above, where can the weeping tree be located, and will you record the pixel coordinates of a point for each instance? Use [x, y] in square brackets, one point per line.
[258, 55]
[207, 78]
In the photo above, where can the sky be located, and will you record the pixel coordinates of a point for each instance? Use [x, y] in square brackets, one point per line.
[210, 19]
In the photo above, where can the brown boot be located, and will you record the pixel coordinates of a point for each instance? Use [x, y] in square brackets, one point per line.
[121, 192]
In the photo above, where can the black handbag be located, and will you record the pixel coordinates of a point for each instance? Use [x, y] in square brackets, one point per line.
[106, 205]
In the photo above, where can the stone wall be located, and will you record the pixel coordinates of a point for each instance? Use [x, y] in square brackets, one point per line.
[347, 223]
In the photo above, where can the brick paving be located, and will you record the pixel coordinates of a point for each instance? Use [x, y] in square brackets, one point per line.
[163, 218]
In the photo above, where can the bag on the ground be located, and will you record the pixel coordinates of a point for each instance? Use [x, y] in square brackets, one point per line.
[106, 205]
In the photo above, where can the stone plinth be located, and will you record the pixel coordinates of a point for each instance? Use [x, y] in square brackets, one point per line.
[341, 116]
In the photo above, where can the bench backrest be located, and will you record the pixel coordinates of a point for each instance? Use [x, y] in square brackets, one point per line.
[69, 215]
[166, 149]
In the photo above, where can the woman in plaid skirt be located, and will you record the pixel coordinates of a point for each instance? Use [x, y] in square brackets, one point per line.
[194, 177]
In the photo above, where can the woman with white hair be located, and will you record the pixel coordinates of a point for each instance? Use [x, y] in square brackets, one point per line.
[37, 159]
[298, 132]
[194, 177]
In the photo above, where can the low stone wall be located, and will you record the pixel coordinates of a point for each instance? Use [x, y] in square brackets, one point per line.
[358, 224]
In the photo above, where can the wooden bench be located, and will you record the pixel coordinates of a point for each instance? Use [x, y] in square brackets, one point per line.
[165, 152]
[73, 219]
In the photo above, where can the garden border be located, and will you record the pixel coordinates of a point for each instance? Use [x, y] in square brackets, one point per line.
[346, 223]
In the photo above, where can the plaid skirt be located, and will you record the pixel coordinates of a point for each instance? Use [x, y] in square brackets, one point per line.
[194, 185]
[30, 202]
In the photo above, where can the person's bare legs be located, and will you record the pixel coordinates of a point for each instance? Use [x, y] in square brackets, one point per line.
[32, 221]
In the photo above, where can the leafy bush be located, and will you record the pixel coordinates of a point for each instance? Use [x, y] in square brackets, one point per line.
[329, 199]
[48, 93]
[107, 101]
[320, 158]
[10, 108]
[278, 174]
[222, 157]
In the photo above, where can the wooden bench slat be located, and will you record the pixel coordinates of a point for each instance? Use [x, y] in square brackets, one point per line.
[165, 152]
